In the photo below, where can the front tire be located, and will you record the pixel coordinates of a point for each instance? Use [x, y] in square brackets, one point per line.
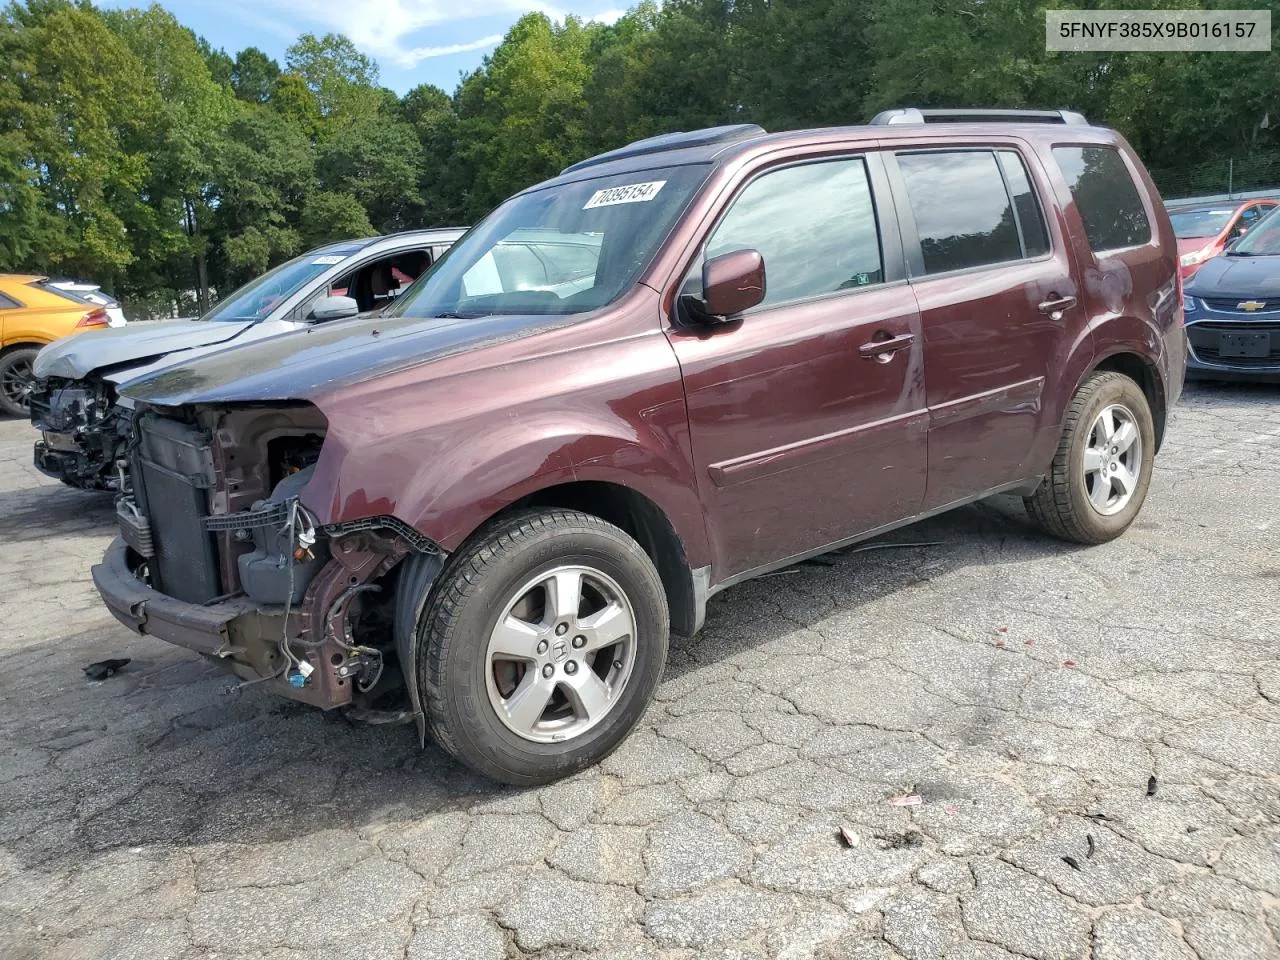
[542, 645]
[16, 381]
[1102, 470]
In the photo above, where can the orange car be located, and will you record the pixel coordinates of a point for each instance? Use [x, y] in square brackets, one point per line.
[34, 312]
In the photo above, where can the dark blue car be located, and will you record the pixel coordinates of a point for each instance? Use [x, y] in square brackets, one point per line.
[1232, 307]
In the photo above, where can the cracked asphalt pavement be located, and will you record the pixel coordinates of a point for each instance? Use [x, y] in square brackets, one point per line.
[1024, 689]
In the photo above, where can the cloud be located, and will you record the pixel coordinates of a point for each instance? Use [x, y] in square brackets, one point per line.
[385, 29]
[426, 53]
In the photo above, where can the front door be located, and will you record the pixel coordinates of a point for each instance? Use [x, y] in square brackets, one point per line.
[998, 307]
[803, 432]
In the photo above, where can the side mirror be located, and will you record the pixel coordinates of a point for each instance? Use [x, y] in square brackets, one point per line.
[732, 283]
[334, 308]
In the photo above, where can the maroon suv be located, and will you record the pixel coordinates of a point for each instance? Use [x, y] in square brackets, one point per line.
[671, 368]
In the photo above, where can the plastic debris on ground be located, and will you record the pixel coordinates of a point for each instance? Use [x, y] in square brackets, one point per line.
[105, 668]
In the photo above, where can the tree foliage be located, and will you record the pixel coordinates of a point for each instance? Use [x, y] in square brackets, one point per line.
[134, 154]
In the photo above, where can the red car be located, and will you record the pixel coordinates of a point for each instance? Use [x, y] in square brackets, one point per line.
[711, 355]
[1204, 229]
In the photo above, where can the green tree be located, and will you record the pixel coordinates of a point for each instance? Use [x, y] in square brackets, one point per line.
[339, 76]
[523, 115]
[75, 112]
[329, 216]
[376, 160]
[254, 75]
[185, 138]
[444, 185]
[293, 100]
[265, 175]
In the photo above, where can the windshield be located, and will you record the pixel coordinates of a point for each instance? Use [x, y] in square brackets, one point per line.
[257, 298]
[1262, 240]
[1190, 224]
[560, 250]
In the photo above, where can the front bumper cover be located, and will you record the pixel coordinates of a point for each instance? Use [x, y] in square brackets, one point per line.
[203, 628]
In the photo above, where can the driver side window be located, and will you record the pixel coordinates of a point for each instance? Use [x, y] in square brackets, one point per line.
[376, 283]
[814, 224]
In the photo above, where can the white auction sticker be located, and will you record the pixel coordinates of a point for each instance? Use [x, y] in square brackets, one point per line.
[631, 193]
[328, 260]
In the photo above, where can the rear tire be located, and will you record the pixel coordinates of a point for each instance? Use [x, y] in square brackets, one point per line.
[550, 607]
[16, 380]
[1094, 489]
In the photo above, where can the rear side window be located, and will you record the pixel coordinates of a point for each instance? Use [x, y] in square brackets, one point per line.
[815, 226]
[1106, 196]
[7, 303]
[962, 211]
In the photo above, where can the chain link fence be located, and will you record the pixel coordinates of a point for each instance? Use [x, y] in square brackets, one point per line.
[1224, 177]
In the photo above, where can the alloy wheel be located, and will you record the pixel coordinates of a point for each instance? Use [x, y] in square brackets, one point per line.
[1112, 459]
[560, 654]
[17, 381]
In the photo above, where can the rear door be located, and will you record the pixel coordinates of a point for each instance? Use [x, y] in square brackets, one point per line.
[803, 432]
[993, 277]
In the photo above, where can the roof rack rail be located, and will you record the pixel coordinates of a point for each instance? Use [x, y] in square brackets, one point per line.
[916, 115]
[673, 141]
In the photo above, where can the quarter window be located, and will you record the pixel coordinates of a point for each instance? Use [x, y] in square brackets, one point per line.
[962, 211]
[814, 225]
[8, 303]
[1106, 197]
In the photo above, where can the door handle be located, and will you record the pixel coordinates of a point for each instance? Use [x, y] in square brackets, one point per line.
[1055, 306]
[883, 350]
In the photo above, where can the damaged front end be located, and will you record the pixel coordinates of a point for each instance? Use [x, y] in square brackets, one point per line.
[218, 554]
[82, 437]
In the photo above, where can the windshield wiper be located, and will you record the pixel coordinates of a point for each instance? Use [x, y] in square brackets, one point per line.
[1241, 253]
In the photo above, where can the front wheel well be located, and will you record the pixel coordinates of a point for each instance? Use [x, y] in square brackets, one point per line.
[1143, 373]
[645, 523]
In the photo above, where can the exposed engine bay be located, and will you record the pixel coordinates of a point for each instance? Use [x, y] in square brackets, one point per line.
[83, 438]
[212, 515]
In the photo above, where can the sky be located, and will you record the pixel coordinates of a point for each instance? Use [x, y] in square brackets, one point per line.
[412, 41]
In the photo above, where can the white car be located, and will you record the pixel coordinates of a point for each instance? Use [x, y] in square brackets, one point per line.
[92, 293]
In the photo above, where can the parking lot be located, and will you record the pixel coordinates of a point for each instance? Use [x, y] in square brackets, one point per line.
[1093, 735]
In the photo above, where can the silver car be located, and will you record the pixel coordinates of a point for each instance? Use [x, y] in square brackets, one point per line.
[73, 402]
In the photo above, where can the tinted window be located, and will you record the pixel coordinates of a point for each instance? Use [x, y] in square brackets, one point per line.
[962, 213]
[1105, 195]
[6, 303]
[1035, 236]
[815, 226]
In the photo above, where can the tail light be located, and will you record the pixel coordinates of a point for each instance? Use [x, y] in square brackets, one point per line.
[94, 318]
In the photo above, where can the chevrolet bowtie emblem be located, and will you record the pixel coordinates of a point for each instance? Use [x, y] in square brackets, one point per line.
[1251, 305]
